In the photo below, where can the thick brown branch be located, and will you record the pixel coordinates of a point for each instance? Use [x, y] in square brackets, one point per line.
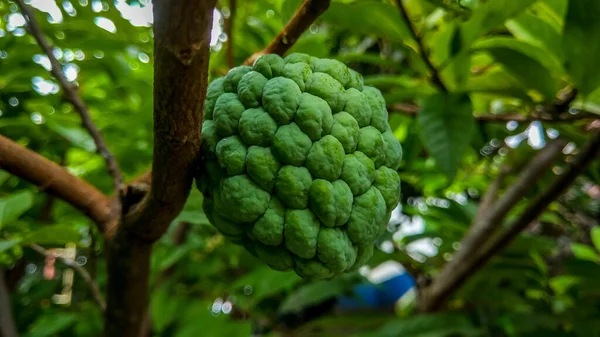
[181, 48]
[305, 16]
[93, 286]
[435, 77]
[413, 110]
[54, 179]
[7, 322]
[70, 92]
[229, 31]
[459, 268]
[182, 36]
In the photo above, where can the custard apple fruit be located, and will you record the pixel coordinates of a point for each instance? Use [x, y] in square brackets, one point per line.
[299, 163]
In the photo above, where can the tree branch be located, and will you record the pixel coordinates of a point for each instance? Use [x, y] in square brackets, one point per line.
[229, 31]
[7, 321]
[93, 286]
[70, 92]
[435, 77]
[413, 110]
[305, 16]
[182, 36]
[470, 257]
[588, 154]
[55, 180]
[181, 48]
[490, 196]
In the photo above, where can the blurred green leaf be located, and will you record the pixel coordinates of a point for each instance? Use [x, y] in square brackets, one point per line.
[76, 135]
[164, 307]
[584, 252]
[4, 177]
[581, 44]
[595, 234]
[383, 19]
[536, 53]
[193, 217]
[52, 324]
[12, 207]
[527, 70]
[489, 16]
[438, 325]
[562, 283]
[288, 8]
[535, 30]
[446, 124]
[8, 244]
[52, 235]
[311, 294]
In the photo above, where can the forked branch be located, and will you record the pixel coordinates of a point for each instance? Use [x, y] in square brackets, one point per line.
[181, 48]
[302, 19]
[464, 265]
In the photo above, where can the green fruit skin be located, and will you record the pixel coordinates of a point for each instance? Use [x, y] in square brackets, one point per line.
[299, 164]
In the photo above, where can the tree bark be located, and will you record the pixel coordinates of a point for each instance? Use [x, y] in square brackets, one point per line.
[181, 49]
[7, 322]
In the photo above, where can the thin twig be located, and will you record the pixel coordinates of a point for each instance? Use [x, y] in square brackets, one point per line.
[304, 17]
[80, 270]
[229, 31]
[93, 258]
[70, 91]
[413, 110]
[435, 77]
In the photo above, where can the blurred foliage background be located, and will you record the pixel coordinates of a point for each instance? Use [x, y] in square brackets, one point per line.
[502, 66]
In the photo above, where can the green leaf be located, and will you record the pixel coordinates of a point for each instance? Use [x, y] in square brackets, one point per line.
[53, 235]
[77, 136]
[52, 324]
[595, 234]
[529, 71]
[489, 16]
[311, 294]
[288, 8]
[584, 252]
[437, 325]
[383, 19]
[4, 177]
[446, 124]
[164, 308]
[14, 206]
[581, 44]
[193, 217]
[539, 54]
[8, 244]
[530, 28]
[562, 283]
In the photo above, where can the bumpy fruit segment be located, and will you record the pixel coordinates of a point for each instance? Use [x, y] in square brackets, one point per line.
[299, 163]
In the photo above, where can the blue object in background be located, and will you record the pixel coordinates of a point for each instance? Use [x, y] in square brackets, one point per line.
[388, 282]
